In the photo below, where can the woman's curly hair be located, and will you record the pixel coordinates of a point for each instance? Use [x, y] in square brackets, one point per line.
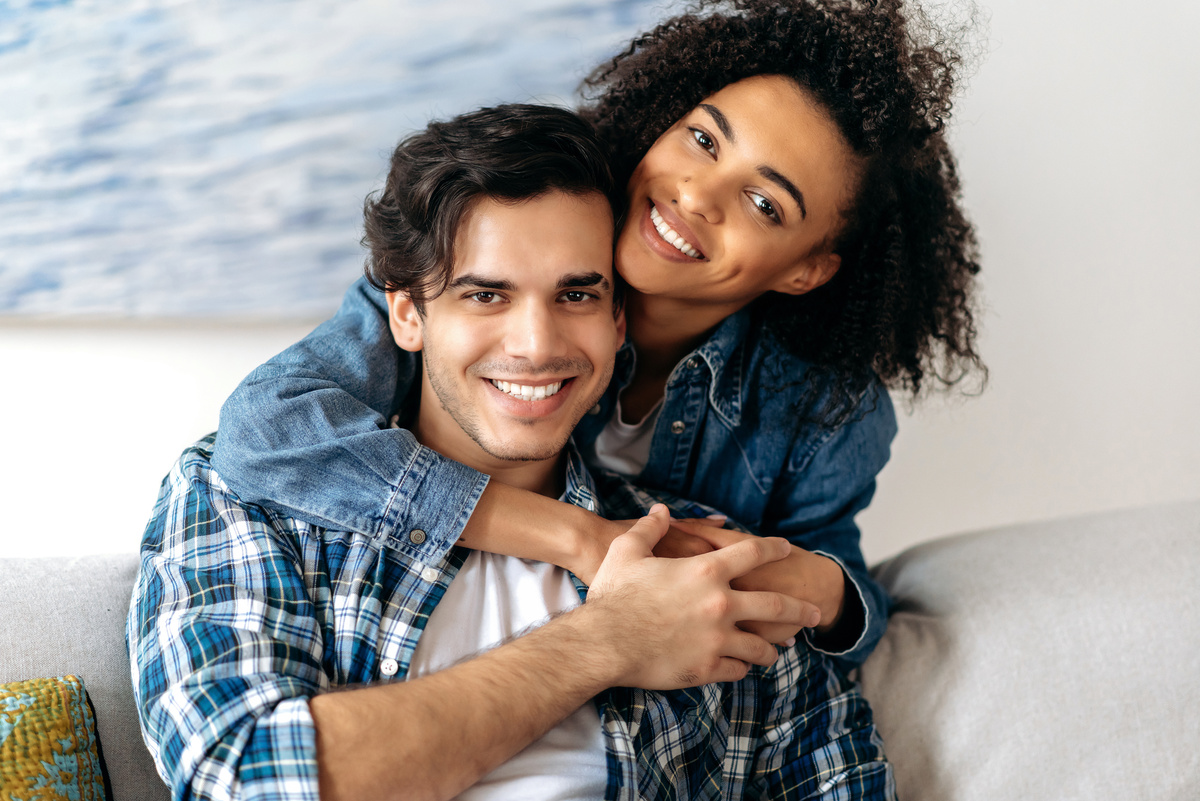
[900, 305]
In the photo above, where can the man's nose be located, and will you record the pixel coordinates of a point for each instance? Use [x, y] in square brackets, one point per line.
[534, 333]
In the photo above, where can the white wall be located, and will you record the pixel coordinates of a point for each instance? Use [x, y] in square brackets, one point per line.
[94, 416]
[1077, 142]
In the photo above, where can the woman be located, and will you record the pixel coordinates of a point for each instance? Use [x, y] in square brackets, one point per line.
[793, 246]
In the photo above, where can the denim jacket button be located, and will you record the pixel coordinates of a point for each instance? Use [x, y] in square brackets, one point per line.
[693, 363]
[595, 409]
[416, 536]
[677, 427]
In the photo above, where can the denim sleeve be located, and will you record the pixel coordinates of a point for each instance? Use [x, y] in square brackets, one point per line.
[306, 434]
[827, 483]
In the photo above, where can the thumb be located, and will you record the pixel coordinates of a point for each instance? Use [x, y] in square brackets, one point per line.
[645, 533]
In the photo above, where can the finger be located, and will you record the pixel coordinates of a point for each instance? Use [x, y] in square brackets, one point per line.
[712, 521]
[729, 669]
[742, 557]
[643, 535]
[750, 648]
[774, 607]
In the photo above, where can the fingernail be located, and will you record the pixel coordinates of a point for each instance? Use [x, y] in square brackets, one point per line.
[789, 642]
[716, 517]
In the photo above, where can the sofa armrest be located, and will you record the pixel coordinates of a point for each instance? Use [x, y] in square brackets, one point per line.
[1055, 660]
[67, 616]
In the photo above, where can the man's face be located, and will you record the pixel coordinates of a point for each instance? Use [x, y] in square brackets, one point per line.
[522, 342]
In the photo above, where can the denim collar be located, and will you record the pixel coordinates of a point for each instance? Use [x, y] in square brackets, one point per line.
[725, 352]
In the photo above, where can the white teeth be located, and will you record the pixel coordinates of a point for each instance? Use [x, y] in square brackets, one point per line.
[670, 235]
[528, 393]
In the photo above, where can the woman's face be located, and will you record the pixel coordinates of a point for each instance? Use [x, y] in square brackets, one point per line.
[742, 196]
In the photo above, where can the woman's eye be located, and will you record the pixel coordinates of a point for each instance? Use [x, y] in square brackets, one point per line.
[765, 206]
[704, 140]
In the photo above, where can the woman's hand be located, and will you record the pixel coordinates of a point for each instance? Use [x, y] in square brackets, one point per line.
[803, 574]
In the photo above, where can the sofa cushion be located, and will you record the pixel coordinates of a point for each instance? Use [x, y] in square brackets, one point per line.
[48, 744]
[67, 616]
[1056, 660]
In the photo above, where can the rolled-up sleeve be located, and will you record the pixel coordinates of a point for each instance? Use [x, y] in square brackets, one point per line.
[224, 648]
[826, 485]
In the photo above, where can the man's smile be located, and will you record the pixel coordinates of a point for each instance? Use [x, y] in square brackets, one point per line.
[528, 392]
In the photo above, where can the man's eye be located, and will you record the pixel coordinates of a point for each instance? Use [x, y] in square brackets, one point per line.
[483, 297]
[704, 140]
[575, 296]
[765, 206]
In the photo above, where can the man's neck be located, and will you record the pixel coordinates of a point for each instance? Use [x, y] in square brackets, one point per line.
[439, 433]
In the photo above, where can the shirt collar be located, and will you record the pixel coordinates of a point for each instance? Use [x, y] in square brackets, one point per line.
[580, 487]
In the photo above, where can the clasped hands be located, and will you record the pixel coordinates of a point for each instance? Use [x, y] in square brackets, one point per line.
[697, 603]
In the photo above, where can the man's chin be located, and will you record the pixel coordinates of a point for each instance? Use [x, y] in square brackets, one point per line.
[526, 451]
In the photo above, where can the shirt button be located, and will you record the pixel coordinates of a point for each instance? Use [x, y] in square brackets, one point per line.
[677, 427]
[595, 409]
[693, 363]
[416, 536]
[429, 574]
[388, 667]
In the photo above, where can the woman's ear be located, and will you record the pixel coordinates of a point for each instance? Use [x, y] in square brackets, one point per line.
[405, 322]
[810, 273]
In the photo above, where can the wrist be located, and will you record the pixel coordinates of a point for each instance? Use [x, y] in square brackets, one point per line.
[595, 637]
[589, 537]
[833, 594]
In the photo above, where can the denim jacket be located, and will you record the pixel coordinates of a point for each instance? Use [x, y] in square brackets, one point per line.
[307, 434]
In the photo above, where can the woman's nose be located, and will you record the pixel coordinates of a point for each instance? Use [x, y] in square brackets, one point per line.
[700, 194]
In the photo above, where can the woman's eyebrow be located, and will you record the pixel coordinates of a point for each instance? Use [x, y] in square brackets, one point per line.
[721, 121]
[787, 186]
[772, 175]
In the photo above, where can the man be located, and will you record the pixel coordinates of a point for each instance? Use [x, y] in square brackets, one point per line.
[243, 622]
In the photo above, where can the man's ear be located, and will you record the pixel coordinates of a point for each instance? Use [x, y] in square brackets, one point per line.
[405, 322]
[810, 273]
[621, 325]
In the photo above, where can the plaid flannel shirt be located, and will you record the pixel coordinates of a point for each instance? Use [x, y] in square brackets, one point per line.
[240, 615]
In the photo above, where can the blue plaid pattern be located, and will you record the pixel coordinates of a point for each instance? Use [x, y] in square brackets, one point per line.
[240, 615]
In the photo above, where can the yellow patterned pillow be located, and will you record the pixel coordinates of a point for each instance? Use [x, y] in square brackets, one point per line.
[48, 745]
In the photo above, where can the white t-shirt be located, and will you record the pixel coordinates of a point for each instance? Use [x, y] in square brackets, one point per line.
[492, 599]
[625, 447]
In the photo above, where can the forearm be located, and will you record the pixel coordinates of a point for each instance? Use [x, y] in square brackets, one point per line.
[648, 622]
[516, 522]
[433, 737]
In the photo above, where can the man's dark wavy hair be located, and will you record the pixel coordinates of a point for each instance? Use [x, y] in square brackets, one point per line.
[900, 306]
[510, 152]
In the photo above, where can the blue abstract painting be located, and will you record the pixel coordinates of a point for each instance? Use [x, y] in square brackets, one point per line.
[179, 158]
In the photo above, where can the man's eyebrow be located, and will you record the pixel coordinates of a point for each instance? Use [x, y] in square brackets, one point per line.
[584, 279]
[787, 186]
[721, 121]
[470, 279]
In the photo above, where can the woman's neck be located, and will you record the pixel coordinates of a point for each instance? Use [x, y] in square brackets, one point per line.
[663, 330]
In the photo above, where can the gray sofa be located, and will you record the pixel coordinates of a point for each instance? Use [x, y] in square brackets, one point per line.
[1045, 661]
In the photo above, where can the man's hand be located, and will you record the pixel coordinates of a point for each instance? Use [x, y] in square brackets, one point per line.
[674, 621]
[801, 574]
